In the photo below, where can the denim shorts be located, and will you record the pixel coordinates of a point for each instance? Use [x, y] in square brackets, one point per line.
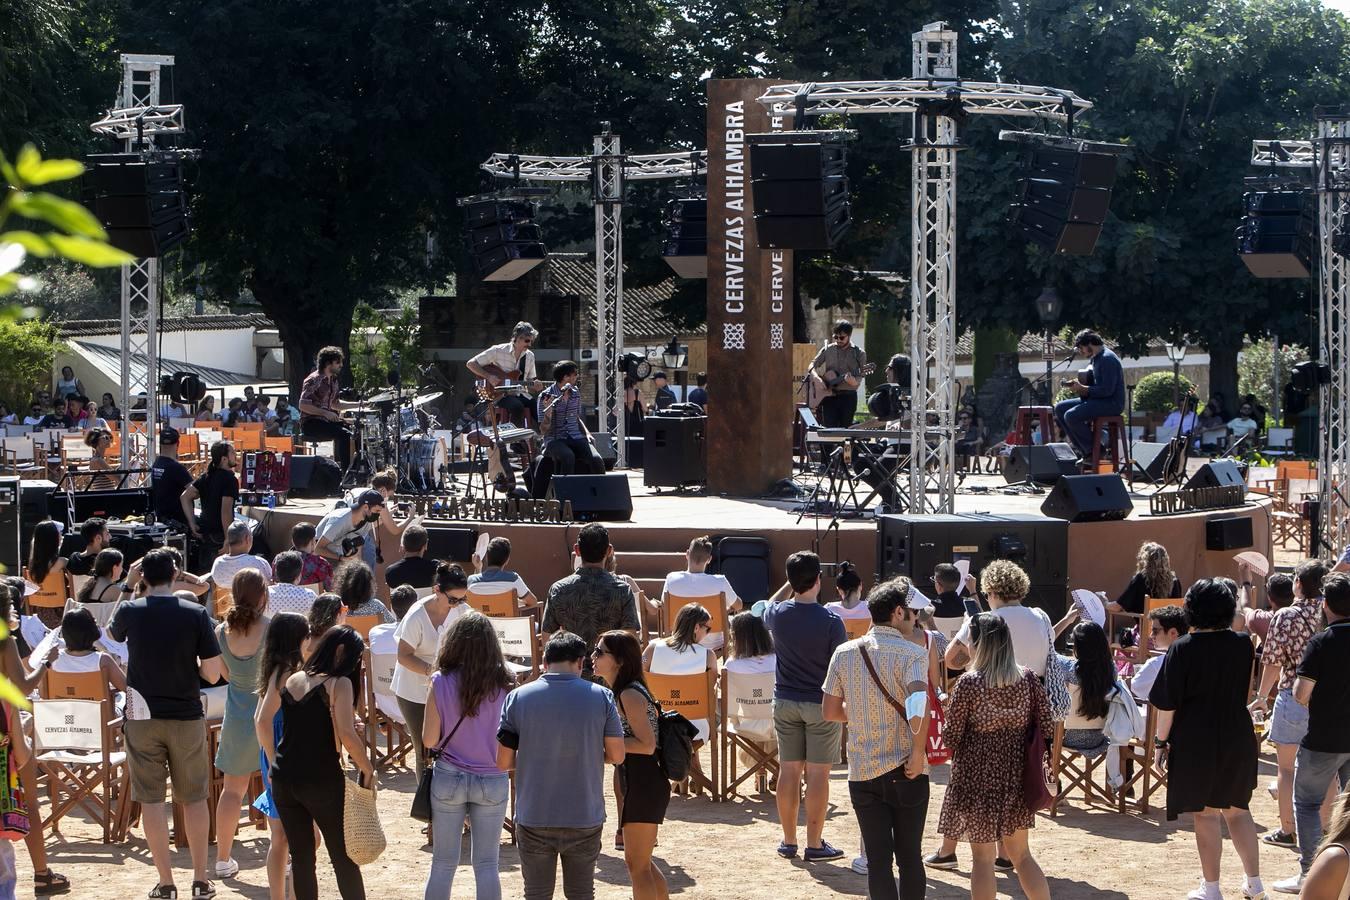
[1288, 720]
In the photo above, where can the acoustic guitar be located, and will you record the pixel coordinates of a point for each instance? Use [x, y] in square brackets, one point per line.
[501, 382]
[819, 387]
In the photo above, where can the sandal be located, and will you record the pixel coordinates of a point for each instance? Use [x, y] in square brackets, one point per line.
[49, 884]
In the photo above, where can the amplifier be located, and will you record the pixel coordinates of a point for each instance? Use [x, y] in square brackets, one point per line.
[674, 451]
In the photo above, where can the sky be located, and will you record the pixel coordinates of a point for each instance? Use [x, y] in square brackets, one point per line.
[1342, 5]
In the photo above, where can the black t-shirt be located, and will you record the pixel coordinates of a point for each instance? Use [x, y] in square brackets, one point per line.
[414, 570]
[165, 637]
[1132, 598]
[1326, 663]
[948, 605]
[80, 563]
[214, 487]
[168, 479]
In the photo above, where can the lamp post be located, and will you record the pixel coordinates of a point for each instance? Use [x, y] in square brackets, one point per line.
[674, 355]
[1048, 306]
[1176, 352]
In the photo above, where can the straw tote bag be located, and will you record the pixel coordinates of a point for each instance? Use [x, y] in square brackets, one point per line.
[361, 823]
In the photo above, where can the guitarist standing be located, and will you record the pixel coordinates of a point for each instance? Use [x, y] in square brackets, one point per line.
[513, 360]
[842, 365]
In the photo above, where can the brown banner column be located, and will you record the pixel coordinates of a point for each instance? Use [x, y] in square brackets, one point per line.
[749, 308]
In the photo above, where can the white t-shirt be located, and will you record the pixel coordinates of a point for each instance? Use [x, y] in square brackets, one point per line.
[701, 584]
[383, 643]
[480, 585]
[1030, 629]
[839, 609]
[1144, 677]
[753, 665]
[70, 664]
[416, 629]
[225, 568]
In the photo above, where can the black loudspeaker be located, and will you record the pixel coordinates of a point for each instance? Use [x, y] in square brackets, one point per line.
[34, 506]
[686, 245]
[11, 556]
[603, 498]
[98, 504]
[913, 545]
[1275, 237]
[314, 477]
[140, 202]
[451, 544]
[1040, 463]
[800, 192]
[1088, 498]
[503, 239]
[1151, 458]
[1229, 533]
[674, 452]
[1217, 473]
[1064, 196]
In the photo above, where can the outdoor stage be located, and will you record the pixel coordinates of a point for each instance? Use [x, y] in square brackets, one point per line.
[1100, 554]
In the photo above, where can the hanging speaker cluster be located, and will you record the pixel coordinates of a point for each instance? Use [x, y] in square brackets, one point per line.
[1064, 194]
[139, 200]
[800, 189]
[503, 238]
[685, 248]
[1275, 237]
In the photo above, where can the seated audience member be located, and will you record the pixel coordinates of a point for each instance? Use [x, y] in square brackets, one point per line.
[6, 416]
[47, 569]
[107, 409]
[495, 573]
[238, 543]
[683, 652]
[282, 423]
[287, 595]
[1179, 424]
[105, 582]
[326, 614]
[354, 583]
[1091, 678]
[647, 609]
[35, 413]
[206, 410]
[1165, 626]
[1279, 593]
[696, 581]
[414, 568]
[751, 653]
[56, 417]
[95, 534]
[1153, 577]
[316, 569]
[1245, 424]
[234, 413]
[383, 643]
[79, 634]
[850, 604]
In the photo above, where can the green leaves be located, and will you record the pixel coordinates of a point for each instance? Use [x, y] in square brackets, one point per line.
[33, 170]
[66, 215]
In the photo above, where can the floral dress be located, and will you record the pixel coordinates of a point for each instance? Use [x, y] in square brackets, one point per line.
[986, 729]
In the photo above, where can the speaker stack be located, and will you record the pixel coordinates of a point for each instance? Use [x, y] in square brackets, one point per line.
[686, 245]
[503, 238]
[139, 201]
[1064, 194]
[800, 190]
[11, 553]
[1275, 237]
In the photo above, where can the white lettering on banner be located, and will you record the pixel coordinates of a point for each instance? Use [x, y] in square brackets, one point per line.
[776, 282]
[733, 249]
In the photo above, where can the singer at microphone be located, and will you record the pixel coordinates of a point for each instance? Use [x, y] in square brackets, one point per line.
[1105, 396]
[567, 442]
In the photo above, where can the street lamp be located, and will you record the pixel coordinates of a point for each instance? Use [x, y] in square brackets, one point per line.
[1176, 352]
[1048, 306]
[674, 355]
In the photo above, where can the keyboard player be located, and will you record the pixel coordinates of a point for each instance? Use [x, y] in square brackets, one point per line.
[876, 461]
[567, 442]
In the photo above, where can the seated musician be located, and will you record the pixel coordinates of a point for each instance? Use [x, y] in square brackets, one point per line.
[513, 361]
[1104, 397]
[566, 440]
[842, 370]
[320, 408]
[890, 404]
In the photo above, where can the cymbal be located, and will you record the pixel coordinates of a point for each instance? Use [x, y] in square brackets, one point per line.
[382, 397]
[424, 399]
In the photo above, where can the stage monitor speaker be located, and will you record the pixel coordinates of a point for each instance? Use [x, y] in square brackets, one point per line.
[11, 556]
[314, 477]
[451, 544]
[1217, 473]
[1228, 533]
[1088, 498]
[603, 498]
[1040, 463]
[1151, 458]
[674, 451]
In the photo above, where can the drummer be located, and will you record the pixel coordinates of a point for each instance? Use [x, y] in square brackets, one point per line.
[515, 360]
[320, 408]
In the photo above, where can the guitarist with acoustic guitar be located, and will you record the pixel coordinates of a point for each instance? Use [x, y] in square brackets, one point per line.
[506, 371]
[1100, 389]
[844, 366]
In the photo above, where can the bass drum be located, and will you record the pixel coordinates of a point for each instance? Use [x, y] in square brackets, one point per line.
[424, 459]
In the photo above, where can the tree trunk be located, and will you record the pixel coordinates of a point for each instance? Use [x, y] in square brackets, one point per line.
[1223, 373]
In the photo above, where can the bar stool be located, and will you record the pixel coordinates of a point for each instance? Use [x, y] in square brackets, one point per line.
[1027, 414]
[1116, 451]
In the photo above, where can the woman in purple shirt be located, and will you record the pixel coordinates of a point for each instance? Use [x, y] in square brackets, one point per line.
[464, 709]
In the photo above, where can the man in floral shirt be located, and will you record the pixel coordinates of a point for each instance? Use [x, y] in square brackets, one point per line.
[1290, 630]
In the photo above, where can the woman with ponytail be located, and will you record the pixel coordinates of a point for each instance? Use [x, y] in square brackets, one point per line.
[240, 637]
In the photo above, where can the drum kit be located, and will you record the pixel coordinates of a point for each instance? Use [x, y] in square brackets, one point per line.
[397, 431]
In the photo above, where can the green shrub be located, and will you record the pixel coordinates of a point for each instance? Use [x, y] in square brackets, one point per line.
[1156, 393]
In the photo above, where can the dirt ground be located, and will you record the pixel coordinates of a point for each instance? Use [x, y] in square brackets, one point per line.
[723, 851]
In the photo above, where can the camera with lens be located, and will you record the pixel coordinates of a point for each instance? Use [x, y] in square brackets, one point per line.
[352, 544]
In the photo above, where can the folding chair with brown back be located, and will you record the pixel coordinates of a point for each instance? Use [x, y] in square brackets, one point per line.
[281, 444]
[715, 604]
[1069, 768]
[501, 605]
[75, 746]
[856, 628]
[1116, 622]
[745, 727]
[221, 600]
[378, 682]
[1146, 779]
[694, 697]
[362, 625]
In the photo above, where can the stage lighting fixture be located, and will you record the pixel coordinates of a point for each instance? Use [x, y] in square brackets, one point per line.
[1274, 239]
[503, 238]
[1063, 192]
[635, 366]
[685, 248]
[1309, 375]
[139, 200]
[800, 189]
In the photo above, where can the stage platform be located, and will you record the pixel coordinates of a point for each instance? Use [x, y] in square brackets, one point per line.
[1100, 554]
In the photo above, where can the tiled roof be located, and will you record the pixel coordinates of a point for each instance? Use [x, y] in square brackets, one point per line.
[643, 316]
[88, 327]
[108, 360]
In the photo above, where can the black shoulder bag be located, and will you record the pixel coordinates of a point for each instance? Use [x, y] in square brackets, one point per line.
[421, 805]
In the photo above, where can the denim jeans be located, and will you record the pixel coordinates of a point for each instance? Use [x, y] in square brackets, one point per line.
[1075, 417]
[9, 876]
[891, 811]
[456, 795]
[1313, 771]
[540, 849]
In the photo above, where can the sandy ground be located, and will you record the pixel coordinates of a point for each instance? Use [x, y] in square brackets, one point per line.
[724, 851]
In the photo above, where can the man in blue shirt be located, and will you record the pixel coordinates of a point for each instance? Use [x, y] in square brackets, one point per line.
[699, 394]
[557, 733]
[1104, 397]
[805, 635]
[566, 440]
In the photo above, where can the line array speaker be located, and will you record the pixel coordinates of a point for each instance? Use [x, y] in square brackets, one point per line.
[800, 192]
[685, 248]
[1064, 195]
[1275, 237]
[503, 239]
[139, 201]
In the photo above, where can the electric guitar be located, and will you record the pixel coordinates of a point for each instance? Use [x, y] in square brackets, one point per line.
[819, 387]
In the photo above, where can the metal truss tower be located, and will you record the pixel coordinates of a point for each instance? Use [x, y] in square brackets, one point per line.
[938, 101]
[608, 170]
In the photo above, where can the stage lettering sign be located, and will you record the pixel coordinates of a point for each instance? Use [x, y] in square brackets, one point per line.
[749, 307]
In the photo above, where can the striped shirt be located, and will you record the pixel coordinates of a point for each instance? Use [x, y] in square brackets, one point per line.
[879, 741]
[565, 411]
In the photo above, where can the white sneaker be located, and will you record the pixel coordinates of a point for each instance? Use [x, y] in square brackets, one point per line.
[227, 868]
[859, 865]
[1249, 893]
[1288, 885]
[1203, 893]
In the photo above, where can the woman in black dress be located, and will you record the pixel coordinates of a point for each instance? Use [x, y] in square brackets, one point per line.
[617, 658]
[1205, 738]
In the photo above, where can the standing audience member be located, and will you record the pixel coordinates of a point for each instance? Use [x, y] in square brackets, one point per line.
[280, 660]
[419, 639]
[699, 394]
[94, 531]
[105, 582]
[1289, 632]
[1329, 878]
[1323, 686]
[805, 635]
[1166, 626]
[218, 489]
[287, 595]
[1279, 594]
[643, 784]
[866, 680]
[171, 649]
[355, 584]
[495, 573]
[1204, 735]
[316, 570]
[1153, 577]
[68, 385]
[1005, 586]
[560, 723]
[992, 707]
[414, 568]
[317, 711]
[240, 638]
[47, 570]
[463, 712]
[238, 543]
[168, 479]
[590, 601]
[696, 581]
